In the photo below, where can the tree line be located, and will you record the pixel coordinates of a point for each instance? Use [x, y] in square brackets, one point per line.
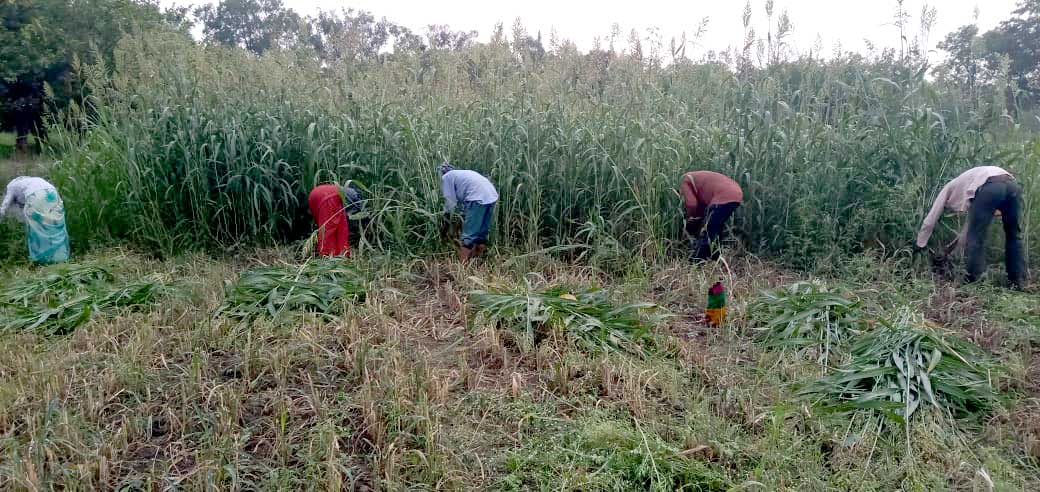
[44, 41]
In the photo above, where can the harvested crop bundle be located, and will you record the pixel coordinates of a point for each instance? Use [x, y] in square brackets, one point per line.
[59, 299]
[806, 316]
[320, 285]
[904, 365]
[587, 317]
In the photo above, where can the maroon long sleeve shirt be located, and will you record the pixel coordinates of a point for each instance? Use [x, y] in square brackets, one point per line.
[700, 189]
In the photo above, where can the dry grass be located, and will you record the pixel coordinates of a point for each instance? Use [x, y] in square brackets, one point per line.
[399, 393]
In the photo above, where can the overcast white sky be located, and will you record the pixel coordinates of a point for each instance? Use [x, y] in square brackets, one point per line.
[847, 22]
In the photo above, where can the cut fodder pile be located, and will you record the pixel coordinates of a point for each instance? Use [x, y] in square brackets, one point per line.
[58, 299]
[586, 317]
[807, 317]
[320, 286]
[905, 365]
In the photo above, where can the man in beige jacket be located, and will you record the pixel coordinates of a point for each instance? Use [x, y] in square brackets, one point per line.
[981, 192]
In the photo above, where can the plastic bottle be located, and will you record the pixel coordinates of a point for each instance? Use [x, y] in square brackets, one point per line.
[716, 310]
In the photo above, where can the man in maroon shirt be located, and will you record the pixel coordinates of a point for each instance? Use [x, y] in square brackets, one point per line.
[710, 199]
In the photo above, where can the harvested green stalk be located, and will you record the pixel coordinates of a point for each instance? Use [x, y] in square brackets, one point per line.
[587, 317]
[806, 316]
[63, 317]
[903, 365]
[58, 299]
[320, 285]
[54, 282]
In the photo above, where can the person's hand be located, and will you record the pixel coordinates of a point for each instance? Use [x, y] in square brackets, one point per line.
[445, 225]
[693, 227]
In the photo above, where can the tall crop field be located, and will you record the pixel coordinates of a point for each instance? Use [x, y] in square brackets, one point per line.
[188, 145]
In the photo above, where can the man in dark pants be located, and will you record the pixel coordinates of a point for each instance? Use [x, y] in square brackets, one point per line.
[981, 192]
[478, 197]
[709, 200]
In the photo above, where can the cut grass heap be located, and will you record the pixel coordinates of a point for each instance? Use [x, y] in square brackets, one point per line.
[806, 316]
[320, 285]
[61, 298]
[587, 317]
[903, 365]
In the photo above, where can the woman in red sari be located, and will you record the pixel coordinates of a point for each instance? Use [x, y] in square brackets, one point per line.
[326, 202]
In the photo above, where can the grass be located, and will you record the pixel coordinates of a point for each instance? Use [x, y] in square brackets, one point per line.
[603, 453]
[285, 379]
[58, 299]
[320, 286]
[583, 315]
[835, 157]
[401, 392]
[7, 145]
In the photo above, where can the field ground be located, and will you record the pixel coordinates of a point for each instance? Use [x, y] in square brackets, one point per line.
[7, 147]
[407, 391]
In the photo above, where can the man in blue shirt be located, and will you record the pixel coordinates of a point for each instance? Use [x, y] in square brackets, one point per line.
[478, 197]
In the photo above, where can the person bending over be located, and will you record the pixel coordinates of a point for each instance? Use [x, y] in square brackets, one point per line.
[981, 192]
[477, 197]
[37, 203]
[709, 200]
[331, 206]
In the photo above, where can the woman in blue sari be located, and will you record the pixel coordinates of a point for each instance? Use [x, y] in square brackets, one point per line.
[36, 202]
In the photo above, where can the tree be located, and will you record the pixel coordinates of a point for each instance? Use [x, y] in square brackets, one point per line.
[31, 51]
[40, 40]
[256, 25]
[442, 37]
[964, 64]
[1018, 38]
[974, 61]
[356, 35]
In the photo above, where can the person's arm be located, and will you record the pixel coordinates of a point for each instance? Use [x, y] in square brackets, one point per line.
[693, 223]
[8, 199]
[351, 200]
[933, 216]
[956, 247]
[448, 187]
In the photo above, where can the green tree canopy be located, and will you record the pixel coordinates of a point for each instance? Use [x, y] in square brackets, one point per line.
[39, 42]
[1018, 38]
[256, 25]
[1008, 55]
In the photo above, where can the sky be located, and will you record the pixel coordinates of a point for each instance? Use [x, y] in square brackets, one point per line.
[844, 23]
